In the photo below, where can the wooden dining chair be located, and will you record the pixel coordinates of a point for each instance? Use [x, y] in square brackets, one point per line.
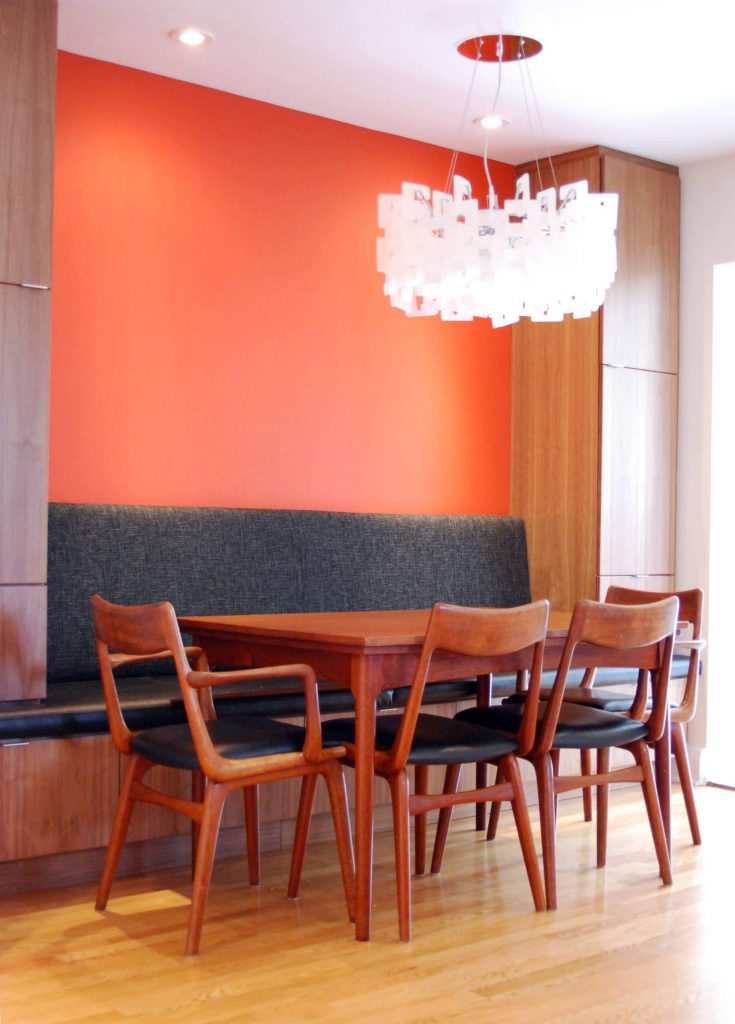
[515, 638]
[682, 711]
[640, 637]
[236, 752]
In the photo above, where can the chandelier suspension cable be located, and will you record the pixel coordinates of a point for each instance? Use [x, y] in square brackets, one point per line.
[455, 154]
[524, 67]
[486, 165]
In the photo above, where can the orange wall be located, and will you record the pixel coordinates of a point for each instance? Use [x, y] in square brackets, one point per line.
[219, 332]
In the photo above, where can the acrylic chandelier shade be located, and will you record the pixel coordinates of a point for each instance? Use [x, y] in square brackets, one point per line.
[539, 257]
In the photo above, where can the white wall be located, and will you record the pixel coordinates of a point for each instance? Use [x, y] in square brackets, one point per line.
[707, 239]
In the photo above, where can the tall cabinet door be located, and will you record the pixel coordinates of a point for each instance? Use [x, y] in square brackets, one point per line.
[638, 472]
[554, 433]
[27, 98]
[641, 312]
[27, 103]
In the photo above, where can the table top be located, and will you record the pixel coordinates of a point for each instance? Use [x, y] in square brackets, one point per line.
[368, 629]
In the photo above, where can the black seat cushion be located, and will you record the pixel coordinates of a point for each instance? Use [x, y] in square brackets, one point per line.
[588, 697]
[437, 740]
[578, 727]
[234, 737]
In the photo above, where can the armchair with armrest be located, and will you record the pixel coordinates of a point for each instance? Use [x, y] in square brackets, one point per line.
[237, 752]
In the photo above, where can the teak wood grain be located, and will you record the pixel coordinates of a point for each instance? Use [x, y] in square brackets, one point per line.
[22, 642]
[638, 472]
[641, 313]
[24, 414]
[27, 110]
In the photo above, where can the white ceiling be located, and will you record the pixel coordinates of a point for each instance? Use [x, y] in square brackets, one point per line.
[652, 77]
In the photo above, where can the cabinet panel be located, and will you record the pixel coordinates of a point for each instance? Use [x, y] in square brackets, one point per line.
[554, 454]
[27, 92]
[24, 400]
[637, 493]
[641, 310]
[22, 643]
[582, 165]
[58, 795]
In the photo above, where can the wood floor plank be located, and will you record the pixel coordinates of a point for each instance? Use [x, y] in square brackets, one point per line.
[621, 947]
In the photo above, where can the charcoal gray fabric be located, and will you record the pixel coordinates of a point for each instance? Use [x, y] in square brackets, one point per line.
[210, 561]
[354, 562]
[437, 740]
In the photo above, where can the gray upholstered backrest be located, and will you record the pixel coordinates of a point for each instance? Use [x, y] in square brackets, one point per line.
[209, 561]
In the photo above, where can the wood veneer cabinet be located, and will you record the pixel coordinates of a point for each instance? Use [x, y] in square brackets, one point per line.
[594, 402]
[27, 95]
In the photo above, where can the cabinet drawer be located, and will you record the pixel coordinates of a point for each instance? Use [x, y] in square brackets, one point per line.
[57, 795]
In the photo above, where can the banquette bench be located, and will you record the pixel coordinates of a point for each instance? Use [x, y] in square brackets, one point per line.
[215, 561]
[210, 561]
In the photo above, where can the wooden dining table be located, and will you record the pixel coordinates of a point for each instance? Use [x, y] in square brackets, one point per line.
[365, 652]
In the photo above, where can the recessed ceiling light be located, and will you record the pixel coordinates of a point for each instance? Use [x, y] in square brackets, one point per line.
[491, 122]
[191, 36]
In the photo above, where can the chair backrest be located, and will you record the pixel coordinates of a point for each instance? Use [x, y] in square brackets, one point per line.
[135, 633]
[691, 605]
[636, 636]
[513, 637]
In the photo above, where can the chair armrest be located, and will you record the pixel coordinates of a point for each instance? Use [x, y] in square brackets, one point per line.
[689, 645]
[313, 738]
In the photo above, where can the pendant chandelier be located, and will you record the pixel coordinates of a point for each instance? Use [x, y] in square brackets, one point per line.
[539, 257]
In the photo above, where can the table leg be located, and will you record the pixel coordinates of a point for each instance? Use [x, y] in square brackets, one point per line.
[365, 692]
[663, 776]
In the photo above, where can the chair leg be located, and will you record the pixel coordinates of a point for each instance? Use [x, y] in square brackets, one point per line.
[420, 786]
[399, 796]
[492, 825]
[451, 785]
[480, 783]
[640, 752]
[214, 799]
[337, 787]
[137, 768]
[198, 783]
[545, 782]
[252, 832]
[585, 768]
[523, 824]
[555, 761]
[603, 765]
[301, 835]
[681, 756]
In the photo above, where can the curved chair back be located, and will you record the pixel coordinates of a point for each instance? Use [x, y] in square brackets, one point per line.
[513, 637]
[636, 636]
[691, 604]
[129, 634]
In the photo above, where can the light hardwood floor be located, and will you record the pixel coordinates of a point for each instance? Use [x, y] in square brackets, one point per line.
[621, 948]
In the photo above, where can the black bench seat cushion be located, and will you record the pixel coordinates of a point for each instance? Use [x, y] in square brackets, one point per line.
[437, 740]
[578, 728]
[77, 708]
